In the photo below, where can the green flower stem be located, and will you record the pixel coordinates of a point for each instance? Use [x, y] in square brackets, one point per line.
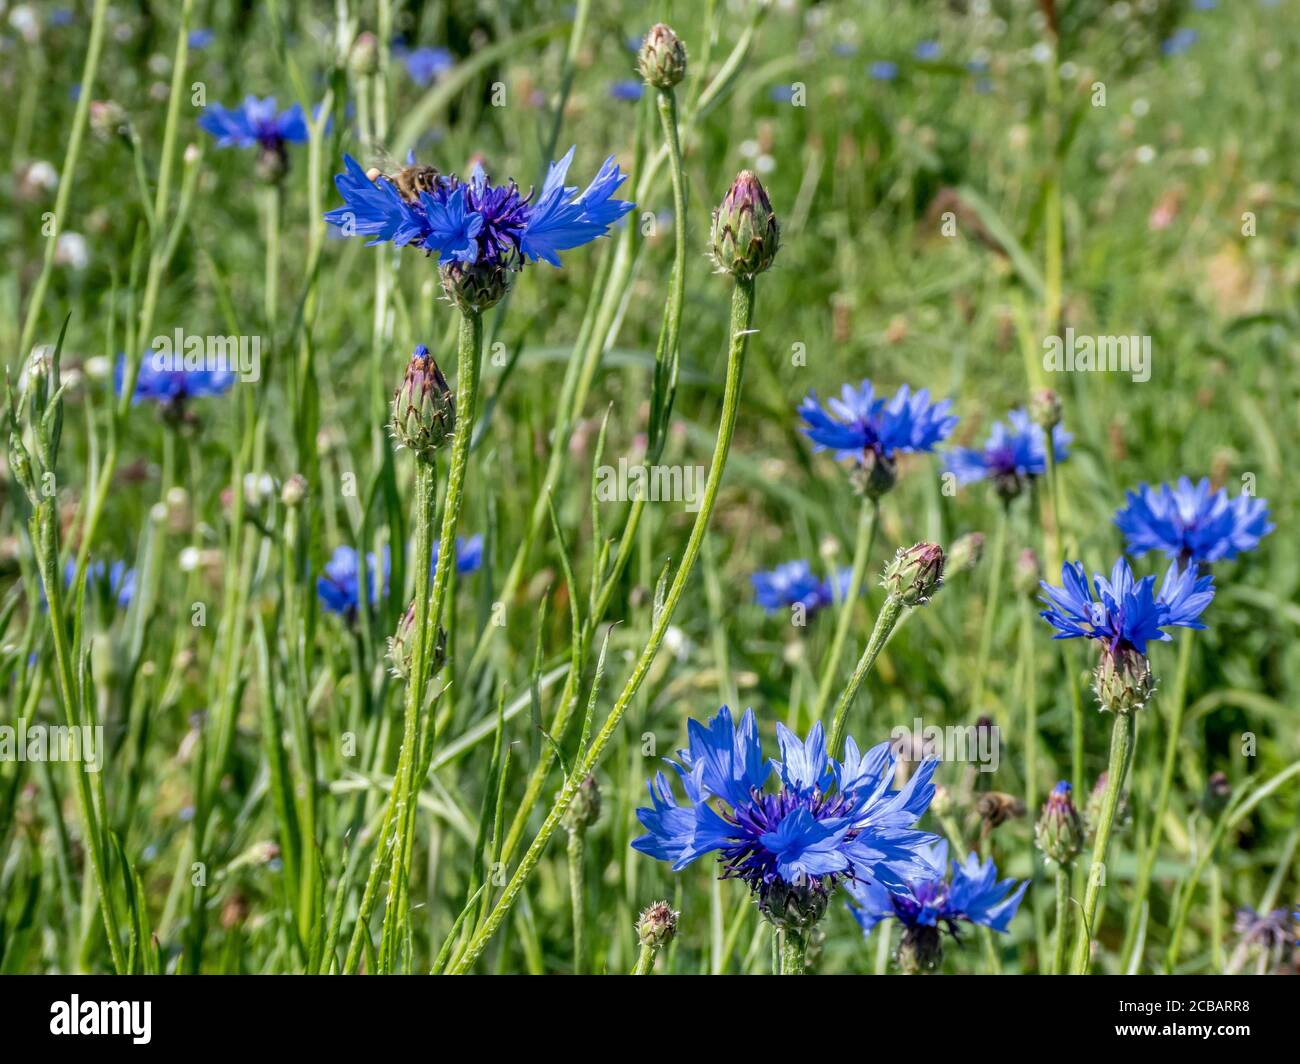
[1027, 644]
[1062, 918]
[1151, 850]
[990, 606]
[794, 948]
[891, 613]
[401, 797]
[1121, 754]
[428, 616]
[1054, 499]
[271, 212]
[1068, 653]
[645, 960]
[868, 518]
[576, 854]
[742, 311]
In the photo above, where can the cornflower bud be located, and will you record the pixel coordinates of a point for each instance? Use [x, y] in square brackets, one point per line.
[1123, 681]
[364, 56]
[915, 574]
[294, 490]
[1059, 831]
[745, 235]
[475, 287]
[1045, 408]
[1027, 574]
[107, 119]
[964, 553]
[874, 475]
[657, 925]
[584, 810]
[797, 906]
[401, 645]
[424, 407]
[1092, 812]
[920, 950]
[1218, 791]
[662, 58]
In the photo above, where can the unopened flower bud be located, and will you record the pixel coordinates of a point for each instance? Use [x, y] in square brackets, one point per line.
[1123, 681]
[915, 574]
[874, 475]
[745, 234]
[964, 553]
[106, 118]
[584, 810]
[1045, 408]
[272, 163]
[794, 907]
[294, 490]
[475, 287]
[401, 647]
[662, 58]
[657, 925]
[920, 950]
[20, 464]
[424, 409]
[1027, 573]
[1059, 832]
[364, 56]
[1092, 813]
[1218, 792]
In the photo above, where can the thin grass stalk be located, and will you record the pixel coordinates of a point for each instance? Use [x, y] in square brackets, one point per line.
[1142, 885]
[891, 613]
[868, 518]
[1121, 755]
[63, 197]
[989, 620]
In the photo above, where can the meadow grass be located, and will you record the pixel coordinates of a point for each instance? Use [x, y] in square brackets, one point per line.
[954, 185]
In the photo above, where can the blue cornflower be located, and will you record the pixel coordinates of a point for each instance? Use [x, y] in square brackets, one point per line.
[930, 903]
[794, 583]
[882, 70]
[258, 124]
[116, 579]
[255, 123]
[1192, 523]
[172, 388]
[469, 554]
[827, 821]
[861, 421]
[425, 65]
[928, 50]
[627, 89]
[338, 584]
[476, 222]
[1013, 454]
[866, 427]
[199, 39]
[1125, 613]
[1180, 41]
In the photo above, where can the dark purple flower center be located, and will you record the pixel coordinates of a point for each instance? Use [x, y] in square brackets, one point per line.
[751, 860]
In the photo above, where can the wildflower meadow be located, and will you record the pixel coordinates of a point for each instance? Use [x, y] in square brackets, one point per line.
[728, 487]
